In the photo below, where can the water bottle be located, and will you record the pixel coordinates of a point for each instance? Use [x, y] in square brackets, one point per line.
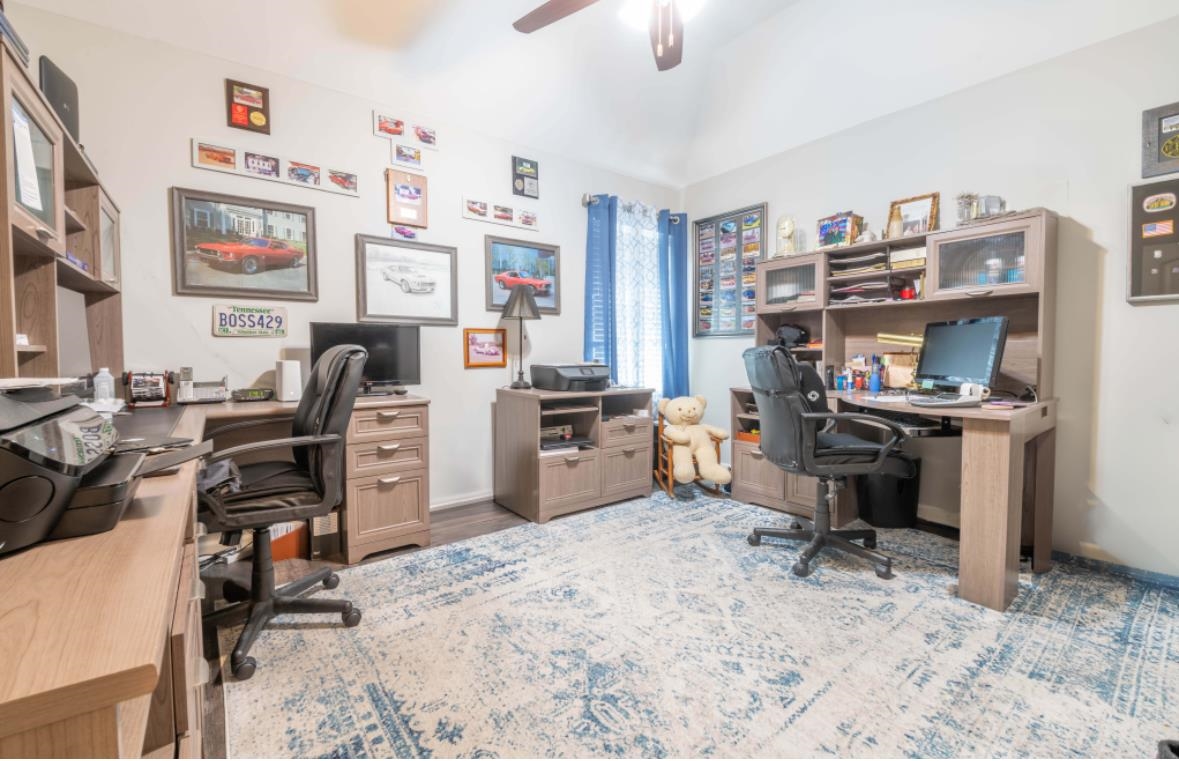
[104, 385]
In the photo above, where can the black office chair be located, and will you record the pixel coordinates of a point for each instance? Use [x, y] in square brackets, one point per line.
[797, 435]
[280, 491]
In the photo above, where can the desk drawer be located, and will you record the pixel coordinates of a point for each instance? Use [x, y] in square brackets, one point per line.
[188, 665]
[382, 424]
[569, 479]
[754, 474]
[626, 470]
[380, 507]
[386, 457]
[628, 429]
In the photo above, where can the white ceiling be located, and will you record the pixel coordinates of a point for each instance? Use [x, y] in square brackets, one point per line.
[758, 77]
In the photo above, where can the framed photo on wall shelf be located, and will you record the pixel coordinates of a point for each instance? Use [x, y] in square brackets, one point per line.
[226, 245]
[485, 347]
[406, 282]
[912, 216]
[407, 198]
[247, 106]
[522, 262]
[727, 248]
[1160, 140]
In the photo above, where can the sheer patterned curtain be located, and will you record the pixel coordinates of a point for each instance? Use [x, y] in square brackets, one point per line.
[638, 303]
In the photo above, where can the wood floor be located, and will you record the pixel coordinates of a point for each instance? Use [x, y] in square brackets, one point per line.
[450, 525]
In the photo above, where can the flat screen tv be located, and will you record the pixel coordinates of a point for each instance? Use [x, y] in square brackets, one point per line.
[394, 351]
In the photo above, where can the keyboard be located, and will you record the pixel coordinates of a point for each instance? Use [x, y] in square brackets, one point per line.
[945, 400]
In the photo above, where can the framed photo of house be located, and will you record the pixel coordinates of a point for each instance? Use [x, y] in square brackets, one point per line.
[407, 198]
[522, 262]
[406, 282]
[1160, 140]
[912, 216]
[226, 245]
[485, 347]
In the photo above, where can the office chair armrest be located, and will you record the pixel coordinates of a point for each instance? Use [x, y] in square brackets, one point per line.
[812, 420]
[259, 446]
[246, 424]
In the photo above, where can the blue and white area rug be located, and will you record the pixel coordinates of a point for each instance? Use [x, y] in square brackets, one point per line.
[651, 628]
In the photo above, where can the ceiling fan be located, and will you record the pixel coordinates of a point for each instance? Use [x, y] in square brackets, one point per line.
[667, 26]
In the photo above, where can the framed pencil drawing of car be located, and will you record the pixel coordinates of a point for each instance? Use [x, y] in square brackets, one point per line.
[520, 262]
[406, 282]
[232, 246]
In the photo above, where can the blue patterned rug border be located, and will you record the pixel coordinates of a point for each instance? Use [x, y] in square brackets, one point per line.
[1156, 578]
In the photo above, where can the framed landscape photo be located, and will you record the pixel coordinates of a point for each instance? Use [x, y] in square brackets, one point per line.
[226, 245]
[912, 216]
[485, 347]
[522, 262]
[406, 282]
[406, 197]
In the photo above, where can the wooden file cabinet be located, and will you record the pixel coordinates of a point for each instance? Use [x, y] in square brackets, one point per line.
[541, 485]
[387, 492]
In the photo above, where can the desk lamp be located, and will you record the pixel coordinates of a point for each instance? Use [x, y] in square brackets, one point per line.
[521, 306]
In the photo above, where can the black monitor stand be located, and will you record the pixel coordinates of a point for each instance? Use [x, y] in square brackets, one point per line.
[369, 388]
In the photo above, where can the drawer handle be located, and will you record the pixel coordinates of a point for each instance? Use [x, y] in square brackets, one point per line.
[388, 448]
[629, 451]
[757, 453]
[391, 480]
[202, 673]
[986, 292]
[44, 235]
[573, 459]
[388, 415]
[630, 427]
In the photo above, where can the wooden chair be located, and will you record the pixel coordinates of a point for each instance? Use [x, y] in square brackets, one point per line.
[663, 466]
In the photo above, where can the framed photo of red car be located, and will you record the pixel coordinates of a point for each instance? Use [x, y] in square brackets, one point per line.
[406, 282]
[226, 245]
[406, 195]
[485, 347]
[522, 262]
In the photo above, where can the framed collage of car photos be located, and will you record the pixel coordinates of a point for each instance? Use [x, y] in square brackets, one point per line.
[727, 249]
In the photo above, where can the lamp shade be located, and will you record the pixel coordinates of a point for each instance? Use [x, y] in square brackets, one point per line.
[521, 304]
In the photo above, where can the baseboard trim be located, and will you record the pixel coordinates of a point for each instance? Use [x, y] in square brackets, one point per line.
[1138, 574]
[461, 501]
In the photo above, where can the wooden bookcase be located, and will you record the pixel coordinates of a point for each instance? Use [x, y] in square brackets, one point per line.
[64, 233]
[959, 282]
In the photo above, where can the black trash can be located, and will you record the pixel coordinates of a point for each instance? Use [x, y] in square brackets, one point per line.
[888, 501]
[1169, 749]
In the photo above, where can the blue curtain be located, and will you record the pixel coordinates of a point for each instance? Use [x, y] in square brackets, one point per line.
[600, 241]
[673, 286]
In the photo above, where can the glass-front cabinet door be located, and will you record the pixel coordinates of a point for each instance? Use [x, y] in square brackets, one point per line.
[34, 157]
[793, 283]
[1003, 257]
[108, 241]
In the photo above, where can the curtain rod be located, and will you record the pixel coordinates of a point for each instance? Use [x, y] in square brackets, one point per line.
[588, 199]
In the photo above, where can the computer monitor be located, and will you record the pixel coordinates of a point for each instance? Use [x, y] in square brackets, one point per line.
[962, 351]
[394, 351]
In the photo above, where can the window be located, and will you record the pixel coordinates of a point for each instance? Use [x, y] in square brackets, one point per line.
[638, 310]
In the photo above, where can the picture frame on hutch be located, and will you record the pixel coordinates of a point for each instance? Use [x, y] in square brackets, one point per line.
[726, 249]
[406, 282]
[224, 245]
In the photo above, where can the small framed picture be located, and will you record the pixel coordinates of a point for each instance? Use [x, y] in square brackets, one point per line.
[1160, 140]
[485, 347]
[247, 106]
[406, 198]
[521, 262]
[407, 155]
[387, 126]
[406, 282]
[912, 216]
[836, 230]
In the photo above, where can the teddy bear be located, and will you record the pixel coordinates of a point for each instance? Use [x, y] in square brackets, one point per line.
[689, 438]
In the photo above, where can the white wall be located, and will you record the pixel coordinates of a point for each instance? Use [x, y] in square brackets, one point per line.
[141, 102]
[1063, 134]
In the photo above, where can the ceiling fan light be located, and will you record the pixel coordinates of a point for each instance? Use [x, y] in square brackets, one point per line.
[636, 14]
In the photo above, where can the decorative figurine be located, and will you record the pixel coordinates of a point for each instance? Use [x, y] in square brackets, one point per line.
[786, 236]
[867, 236]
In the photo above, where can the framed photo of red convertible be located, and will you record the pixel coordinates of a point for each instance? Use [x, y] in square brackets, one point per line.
[232, 246]
[522, 262]
[485, 347]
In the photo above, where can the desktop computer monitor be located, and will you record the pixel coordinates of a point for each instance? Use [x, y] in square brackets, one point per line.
[962, 351]
[394, 351]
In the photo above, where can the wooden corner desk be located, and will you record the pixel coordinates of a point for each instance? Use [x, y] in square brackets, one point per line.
[1008, 460]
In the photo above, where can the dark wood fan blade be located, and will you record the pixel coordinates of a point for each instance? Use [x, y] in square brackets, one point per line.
[553, 10]
[667, 34]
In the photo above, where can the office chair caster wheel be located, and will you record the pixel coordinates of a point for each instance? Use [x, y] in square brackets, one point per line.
[244, 670]
[795, 526]
[331, 582]
[753, 539]
[884, 570]
[351, 617]
[234, 592]
[802, 570]
[869, 543]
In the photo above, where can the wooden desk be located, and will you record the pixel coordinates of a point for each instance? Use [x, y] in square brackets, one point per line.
[1008, 458]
